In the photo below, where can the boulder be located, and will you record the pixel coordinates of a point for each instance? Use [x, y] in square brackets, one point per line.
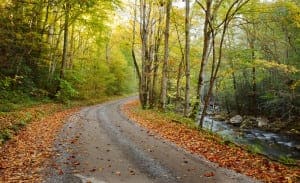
[236, 120]
[294, 131]
[262, 122]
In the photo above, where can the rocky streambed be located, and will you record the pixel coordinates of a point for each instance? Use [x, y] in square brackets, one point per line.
[255, 134]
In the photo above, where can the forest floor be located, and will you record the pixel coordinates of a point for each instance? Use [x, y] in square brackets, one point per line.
[22, 158]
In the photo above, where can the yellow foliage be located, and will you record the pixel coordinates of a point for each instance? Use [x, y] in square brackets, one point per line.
[295, 85]
[226, 73]
[293, 9]
[273, 65]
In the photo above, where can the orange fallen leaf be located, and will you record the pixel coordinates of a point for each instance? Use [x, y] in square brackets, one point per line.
[209, 174]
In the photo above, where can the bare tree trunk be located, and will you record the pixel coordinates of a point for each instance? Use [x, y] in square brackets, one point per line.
[179, 76]
[204, 59]
[216, 58]
[46, 18]
[151, 63]
[157, 37]
[144, 39]
[66, 42]
[132, 50]
[72, 48]
[180, 66]
[237, 104]
[213, 76]
[234, 83]
[254, 104]
[163, 98]
[187, 58]
[54, 45]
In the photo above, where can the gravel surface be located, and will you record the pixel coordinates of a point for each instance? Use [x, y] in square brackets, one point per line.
[100, 145]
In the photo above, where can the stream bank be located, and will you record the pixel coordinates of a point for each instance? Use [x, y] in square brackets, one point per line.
[283, 147]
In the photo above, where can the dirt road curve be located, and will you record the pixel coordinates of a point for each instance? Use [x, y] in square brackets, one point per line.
[100, 145]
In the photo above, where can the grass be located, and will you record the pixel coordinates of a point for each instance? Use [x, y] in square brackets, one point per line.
[287, 160]
[254, 149]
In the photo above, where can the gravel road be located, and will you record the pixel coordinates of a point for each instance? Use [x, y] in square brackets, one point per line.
[100, 145]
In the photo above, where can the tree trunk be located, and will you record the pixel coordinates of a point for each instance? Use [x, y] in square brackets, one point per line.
[204, 60]
[179, 75]
[157, 42]
[217, 57]
[166, 58]
[144, 39]
[132, 50]
[237, 104]
[72, 48]
[254, 103]
[107, 50]
[187, 58]
[181, 66]
[66, 42]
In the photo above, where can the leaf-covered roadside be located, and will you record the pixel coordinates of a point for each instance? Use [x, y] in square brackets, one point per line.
[23, 157]
[211, 148]
[12, 122]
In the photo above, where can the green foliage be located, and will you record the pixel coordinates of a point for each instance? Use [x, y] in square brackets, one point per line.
[66, 91]
[5, 135]
[30, 53]
[255, 148]
[22, 124]
[287, 160]
[177, 118]
[6, 82]
[273, 98]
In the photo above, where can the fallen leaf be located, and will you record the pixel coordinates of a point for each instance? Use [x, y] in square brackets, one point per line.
[209, 174]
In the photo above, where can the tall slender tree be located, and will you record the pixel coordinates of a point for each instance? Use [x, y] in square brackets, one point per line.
[66, 41]
[164, 80]
[187, 57]
[210, 34]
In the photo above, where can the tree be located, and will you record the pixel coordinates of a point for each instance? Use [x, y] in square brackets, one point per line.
[211, 29]
[66, 41]
[166, 56]
[187, 58]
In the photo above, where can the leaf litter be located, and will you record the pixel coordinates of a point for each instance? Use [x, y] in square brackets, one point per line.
[24, 157]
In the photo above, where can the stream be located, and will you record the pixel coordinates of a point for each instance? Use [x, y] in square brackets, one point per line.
[274, 145]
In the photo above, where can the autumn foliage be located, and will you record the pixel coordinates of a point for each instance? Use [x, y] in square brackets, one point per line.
[23, 157]
[212, 148]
